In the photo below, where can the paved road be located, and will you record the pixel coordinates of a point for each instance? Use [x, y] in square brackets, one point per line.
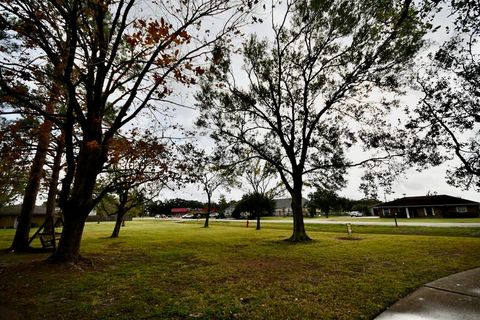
[373, 222]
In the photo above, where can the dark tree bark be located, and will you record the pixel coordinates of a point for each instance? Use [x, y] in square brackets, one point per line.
[69, 247]
[76, 203]
[53, 185]
[299, 234]
[121, 211]
[20, 241]
[209, 206]
[118, 224]
[258, 221]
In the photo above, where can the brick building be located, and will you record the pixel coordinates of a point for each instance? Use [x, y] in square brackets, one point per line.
[438, 206]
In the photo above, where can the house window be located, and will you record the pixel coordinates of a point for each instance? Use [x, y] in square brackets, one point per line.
[461, 209]
[386, 211]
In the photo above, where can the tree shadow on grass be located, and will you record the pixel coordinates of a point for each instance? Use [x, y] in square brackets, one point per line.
[286, 242]
[349, 238]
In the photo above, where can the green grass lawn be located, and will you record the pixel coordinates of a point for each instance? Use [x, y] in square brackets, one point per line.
[369, 229]
[168, 270]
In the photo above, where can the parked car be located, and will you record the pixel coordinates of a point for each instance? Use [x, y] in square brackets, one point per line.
[187, 216]
[355, 214]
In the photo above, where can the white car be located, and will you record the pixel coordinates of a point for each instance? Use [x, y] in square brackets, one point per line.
[355, 214]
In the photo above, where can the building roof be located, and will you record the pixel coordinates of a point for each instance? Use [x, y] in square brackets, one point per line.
[229, 209]
[431, 201]
[15, 210]
[179, 210]
[286, 203]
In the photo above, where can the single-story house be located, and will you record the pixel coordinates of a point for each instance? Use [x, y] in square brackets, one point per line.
[9, 216]
[283, 207]
[438, 206]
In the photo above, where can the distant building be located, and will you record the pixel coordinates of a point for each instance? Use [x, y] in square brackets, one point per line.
[9, 216]
[179, 212]
[283, 207]
[228, 211]
[438, 206]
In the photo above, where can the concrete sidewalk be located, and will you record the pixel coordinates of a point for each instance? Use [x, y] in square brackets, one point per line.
[456, 297]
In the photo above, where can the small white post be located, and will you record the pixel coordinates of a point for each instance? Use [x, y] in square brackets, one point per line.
[349, 229]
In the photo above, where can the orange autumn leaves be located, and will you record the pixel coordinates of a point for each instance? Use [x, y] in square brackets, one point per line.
[151, 35]
[143, 158]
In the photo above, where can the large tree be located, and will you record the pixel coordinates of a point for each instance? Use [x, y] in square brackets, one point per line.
[127, 201]
[323, 199]
[256, 204]
[51, 98]
[29, 83]
[306, 97]
[22, 233]
[210, 175]
[110, 61]
[139, 165]
[446, 122]
[262, 179]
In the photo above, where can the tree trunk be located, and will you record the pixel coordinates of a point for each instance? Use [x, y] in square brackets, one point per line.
[77, 202]
[258, 220]
[299, 233]
[120, 214]
[20, 241]
[208, 212]
[118, 224]
[68, 250]
[53, 185]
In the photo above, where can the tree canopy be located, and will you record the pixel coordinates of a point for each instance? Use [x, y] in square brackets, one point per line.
[306, 100]
[255, 205]
[446, 122]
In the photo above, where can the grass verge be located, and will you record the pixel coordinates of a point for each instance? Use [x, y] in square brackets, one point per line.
[377, 219]
[371, 229]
